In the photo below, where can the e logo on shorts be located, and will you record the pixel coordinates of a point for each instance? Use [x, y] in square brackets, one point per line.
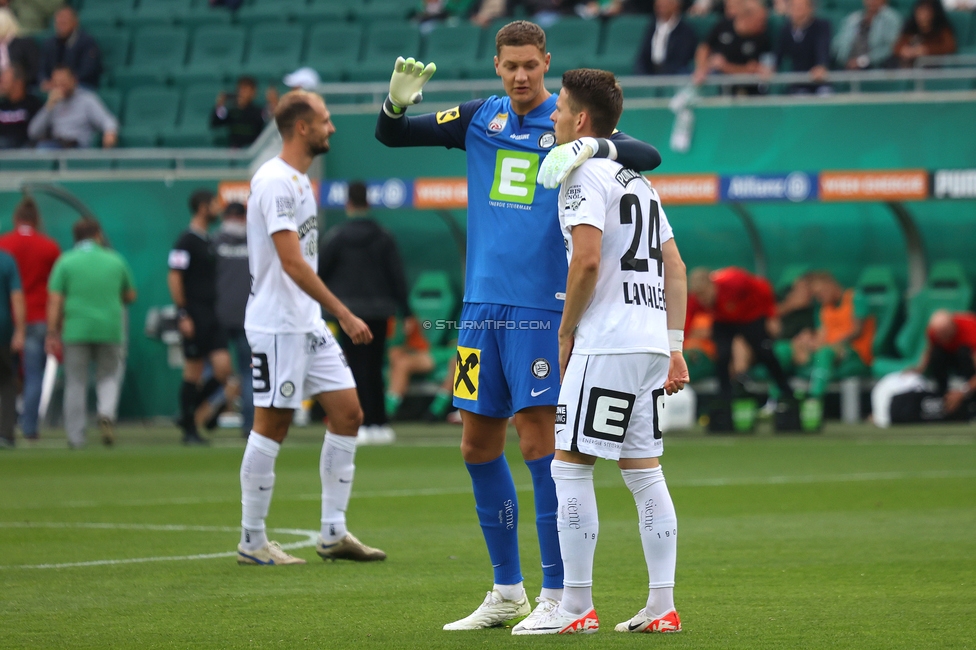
[608, 414]
[466, 373]
[515, 173]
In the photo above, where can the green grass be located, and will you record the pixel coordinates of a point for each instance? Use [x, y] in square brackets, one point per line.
[854, 539]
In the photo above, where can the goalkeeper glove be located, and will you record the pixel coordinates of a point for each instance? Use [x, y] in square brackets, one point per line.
[567, 157]
[407, 84]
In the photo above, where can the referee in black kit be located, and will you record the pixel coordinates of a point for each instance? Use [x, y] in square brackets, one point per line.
[192, 283]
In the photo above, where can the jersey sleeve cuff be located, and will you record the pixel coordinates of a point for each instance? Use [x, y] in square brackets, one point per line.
[392, 110]
[605, 149]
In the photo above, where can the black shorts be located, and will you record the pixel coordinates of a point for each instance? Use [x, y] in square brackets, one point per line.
[208, 335]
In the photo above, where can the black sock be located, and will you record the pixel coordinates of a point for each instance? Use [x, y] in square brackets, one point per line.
[188, 405]
[209, 388]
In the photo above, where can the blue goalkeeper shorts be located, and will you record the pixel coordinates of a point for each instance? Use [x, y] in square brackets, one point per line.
[507, 359]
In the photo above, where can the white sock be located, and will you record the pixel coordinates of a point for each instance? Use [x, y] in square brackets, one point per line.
[510, 592]
[257, 484]
[659, 534]
[336, 469]
[578, 525]
[551, 594]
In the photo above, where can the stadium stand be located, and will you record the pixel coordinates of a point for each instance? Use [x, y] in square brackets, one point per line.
[216, 53]
[877, 295]
[156, 52]
[148, 112]
[333, 50]
[384, 43]
[455, 49]
[620, 45]
[273, 51]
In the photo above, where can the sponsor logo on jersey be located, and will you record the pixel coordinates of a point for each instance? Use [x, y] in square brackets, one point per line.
[560, 414]
[287, 389]
[285, 207]
[574, 198]
[541, 368]
[451, 114]
[644, 295]
[497, 124]
[625, 176]
[515, 174]
[520, 136]
[310, 224]
[466, 373]
[547, 140]
[608, 414]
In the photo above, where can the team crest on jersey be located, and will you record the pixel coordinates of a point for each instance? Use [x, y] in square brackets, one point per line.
[547, 140]
[451, 114]
[541, 368]
[497, 124]
[287, 389]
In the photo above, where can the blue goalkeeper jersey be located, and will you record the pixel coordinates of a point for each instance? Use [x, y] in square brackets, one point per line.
[515, 250]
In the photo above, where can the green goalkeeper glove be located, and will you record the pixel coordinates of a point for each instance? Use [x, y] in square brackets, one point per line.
[564, 159]
[407, 84]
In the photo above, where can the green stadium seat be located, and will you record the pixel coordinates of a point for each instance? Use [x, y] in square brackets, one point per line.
[773, 27]
[158, 12]
[156, 52]
[259, 12]
[148, 163]
[455, 49]
[112, 99]
[83, 164]
[384, 43]
[384, 10]
[962, 25]
[27, 165]
[333, 49]
[114, 46]
[274, 50]
[433, 298]
[620, 45]
[945, 288]
[104, 11]
[702, 25]
[947, 84]
[886, 86]
[573, 43]
[215, 55]
[789, 275]
[203, 14]
[876, 294]
[331, 9]
[148, 111]
[193, 127]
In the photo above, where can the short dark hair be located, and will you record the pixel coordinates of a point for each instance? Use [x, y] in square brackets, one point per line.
[247, 80]
[518, 33]
[202, 196]
[27, 212]
[294, 105]
[357, 195]
[235, 209]
[86, 228]
[598, 94]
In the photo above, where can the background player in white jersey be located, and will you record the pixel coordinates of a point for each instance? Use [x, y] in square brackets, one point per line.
[619, 351]
[293, 354]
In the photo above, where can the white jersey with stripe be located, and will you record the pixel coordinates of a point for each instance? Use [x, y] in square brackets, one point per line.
[627, 312]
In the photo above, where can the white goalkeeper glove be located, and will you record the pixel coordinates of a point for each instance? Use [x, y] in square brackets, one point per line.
[407, 84]
[564, 159]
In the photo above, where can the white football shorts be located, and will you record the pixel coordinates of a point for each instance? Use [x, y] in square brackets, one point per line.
[608, 405]
[287, 368]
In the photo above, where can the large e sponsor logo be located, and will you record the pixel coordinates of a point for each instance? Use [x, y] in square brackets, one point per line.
[515, 173]
[954, 184]
[795, 187]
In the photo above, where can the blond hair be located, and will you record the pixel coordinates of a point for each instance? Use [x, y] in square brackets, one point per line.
[9, 27]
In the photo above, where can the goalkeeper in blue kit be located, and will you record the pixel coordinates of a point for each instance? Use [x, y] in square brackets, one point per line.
[515, 283]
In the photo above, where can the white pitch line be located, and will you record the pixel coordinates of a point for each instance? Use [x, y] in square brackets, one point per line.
[311, 537]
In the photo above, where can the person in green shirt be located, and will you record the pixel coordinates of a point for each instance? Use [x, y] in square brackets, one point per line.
[89, 287]
[12, 330]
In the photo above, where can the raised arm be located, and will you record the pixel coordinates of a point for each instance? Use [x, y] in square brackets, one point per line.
[635, 154]
[443, 129]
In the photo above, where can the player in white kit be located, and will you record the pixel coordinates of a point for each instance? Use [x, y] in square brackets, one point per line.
[294, 356]
[620, 345]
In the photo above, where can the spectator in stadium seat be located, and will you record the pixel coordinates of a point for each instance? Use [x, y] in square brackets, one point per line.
[233, 289]
[16, 50]
[434, 12]
[804, 46]
[927, 32]
[35, 254]
[741, 304]
[951, 349]
[12, 330]
[245, 120]
[599, 8]
[411, 358]
[866, 38]
[89, 287]
[361, 264]
[33, 15]
[71, 116]
[669, 43]
[735, 45]
[17, 108]
[489, 10]
[73, 47]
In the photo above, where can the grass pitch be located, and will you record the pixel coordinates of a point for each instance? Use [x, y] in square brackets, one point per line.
[853, 539]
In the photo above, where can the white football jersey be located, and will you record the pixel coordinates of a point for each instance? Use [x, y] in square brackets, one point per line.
[281, 199]
[627, 312]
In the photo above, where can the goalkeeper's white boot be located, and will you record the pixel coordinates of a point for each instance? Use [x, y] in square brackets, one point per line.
[643, 622]
[268, 555]
[494, 612]
[541, 610]
[557, 621]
